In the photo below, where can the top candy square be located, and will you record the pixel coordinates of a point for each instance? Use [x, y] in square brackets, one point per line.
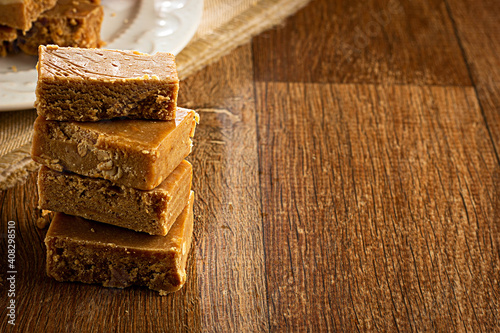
[94, 84]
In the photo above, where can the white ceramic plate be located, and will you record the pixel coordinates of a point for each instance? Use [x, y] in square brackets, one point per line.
[144, 25]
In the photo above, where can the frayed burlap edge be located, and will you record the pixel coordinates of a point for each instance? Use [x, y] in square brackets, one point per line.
[16, 165]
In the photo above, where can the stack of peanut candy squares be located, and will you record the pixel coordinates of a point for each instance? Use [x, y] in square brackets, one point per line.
[112, 143]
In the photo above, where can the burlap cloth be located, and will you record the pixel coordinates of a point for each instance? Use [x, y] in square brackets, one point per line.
[225, 25]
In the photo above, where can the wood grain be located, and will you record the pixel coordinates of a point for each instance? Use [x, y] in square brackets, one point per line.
[477, 27]
[379, 208]
[347, 178]
[376, 41]
[230, 257]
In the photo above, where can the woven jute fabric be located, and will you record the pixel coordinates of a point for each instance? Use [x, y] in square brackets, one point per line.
[225, 24]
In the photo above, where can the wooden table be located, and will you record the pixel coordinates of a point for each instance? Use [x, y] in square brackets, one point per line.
[347, 179]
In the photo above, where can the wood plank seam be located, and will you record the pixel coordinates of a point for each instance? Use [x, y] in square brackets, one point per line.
[471, 77]
[260, 171]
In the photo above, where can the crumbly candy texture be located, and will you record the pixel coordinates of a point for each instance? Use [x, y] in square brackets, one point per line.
[91, 252]
[135, 153]
[94, 84]
[69, 23]
[152, 211]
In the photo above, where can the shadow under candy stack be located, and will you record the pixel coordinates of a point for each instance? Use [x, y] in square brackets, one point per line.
[112, 143]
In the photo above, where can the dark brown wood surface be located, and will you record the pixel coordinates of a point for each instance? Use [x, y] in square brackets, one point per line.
[347, 178]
